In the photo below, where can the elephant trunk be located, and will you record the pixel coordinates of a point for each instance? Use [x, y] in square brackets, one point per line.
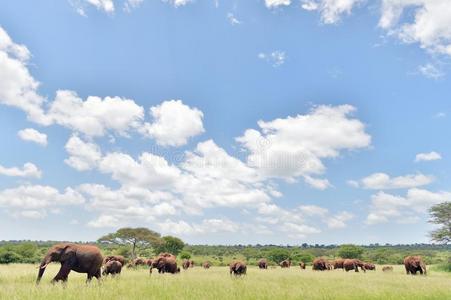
[423, 266]
[42, 267]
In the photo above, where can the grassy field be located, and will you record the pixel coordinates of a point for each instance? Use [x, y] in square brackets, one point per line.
[17, 282]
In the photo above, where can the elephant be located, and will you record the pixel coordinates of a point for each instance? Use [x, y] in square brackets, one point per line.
[206, 265]
[285, 264]
[238, 268]
[319, 264]
[149, 262]
[165, 264]
[338, 263]
[353, 264]
[414, 264]
[369, 266]
[112, 267]
[139, 261]
[187, 264]
[302, 265]
[387, 269]
[166, 254]
[262, 264]
[79, 258]
[118, 258]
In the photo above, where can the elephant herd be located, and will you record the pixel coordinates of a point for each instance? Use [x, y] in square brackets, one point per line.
[321, 264]
[88, 259]
[412, 264]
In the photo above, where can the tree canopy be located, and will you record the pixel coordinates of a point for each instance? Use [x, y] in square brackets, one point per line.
[185, 255]
[441, 215]
[136, 237]
[170, 244]
[278, 255]
[350, 251]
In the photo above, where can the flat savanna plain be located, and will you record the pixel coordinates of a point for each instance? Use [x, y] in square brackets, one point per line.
[17, 282]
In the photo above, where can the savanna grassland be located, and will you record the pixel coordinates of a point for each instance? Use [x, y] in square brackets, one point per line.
[17, 281]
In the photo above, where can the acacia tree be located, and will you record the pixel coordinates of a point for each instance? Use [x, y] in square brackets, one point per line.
[441, 215]
[136, 237]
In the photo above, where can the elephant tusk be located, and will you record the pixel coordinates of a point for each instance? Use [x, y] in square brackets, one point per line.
[44, 266]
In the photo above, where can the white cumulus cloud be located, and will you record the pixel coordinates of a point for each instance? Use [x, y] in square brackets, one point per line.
[18, 88]
[28, 170]
[331, 10]
[428, 156]
[174, 123]
[82, 155]
[95, 116]
[34, 201]
[295, 146]
[32, 135]
[277, 3]
[430, 26]
[382, 181]
[403, 209]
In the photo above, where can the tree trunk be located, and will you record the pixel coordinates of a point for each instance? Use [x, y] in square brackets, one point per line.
[133, 250]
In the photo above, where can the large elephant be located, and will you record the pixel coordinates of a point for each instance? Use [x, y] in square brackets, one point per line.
[285, 264]
[319, 264]
[353, 264]
[165, 263]
[414, 264]
[118, 258]
[338, 263]
[79, 258]
[112, 267]
[238, 268]
[262, 264]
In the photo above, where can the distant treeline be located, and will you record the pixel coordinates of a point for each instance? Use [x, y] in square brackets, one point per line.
[33, 251]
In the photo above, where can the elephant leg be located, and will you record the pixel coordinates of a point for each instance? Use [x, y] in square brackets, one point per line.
[89, 278]
[98, 275]
[62, 273]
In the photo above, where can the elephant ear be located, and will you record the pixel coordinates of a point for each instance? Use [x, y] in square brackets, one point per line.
[68, 253]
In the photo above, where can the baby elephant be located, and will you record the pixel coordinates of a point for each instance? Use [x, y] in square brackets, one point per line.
[112, 267]
[387, 269]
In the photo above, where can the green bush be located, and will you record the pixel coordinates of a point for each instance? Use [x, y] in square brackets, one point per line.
[350, 251]
[444, 267]
[302, 256]
[7, 257]
[185, 255]
[278, 255]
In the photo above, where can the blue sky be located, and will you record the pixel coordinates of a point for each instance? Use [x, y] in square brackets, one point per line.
[227, 122]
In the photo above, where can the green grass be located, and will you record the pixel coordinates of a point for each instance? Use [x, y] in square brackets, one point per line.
[17, 282]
